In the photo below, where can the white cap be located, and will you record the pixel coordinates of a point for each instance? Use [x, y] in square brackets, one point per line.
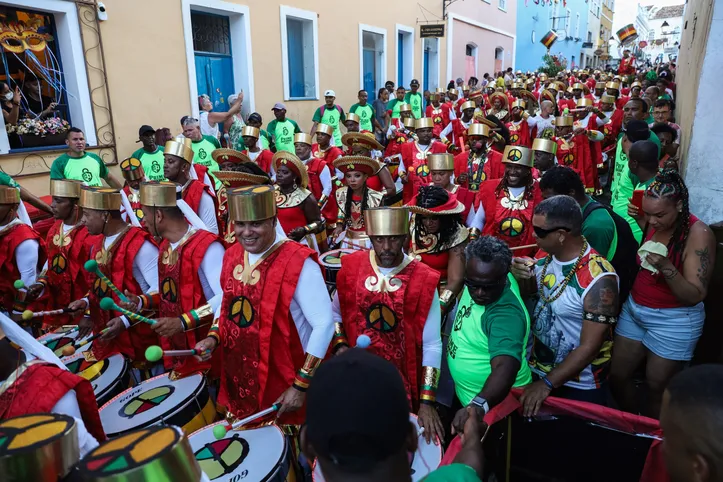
[329, 93]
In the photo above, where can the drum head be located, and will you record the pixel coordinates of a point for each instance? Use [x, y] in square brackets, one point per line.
[65, 335]
[102, 375]
[149, 403]
[332, 259]
[257, 453]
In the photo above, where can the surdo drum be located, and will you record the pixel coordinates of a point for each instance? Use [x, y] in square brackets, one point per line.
[65, 335]
[108, 377]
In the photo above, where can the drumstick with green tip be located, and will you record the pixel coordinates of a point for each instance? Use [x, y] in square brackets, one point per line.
[18, 284]
[220, 431]
[108, 304]
[92, 266]
[155, 353]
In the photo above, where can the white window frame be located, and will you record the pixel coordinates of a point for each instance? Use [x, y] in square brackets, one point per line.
[577, 25]
[383, 32]
[475, 51]
[285, 12]
[555, 12]
[239, 23]
[439, 69]
[70, 46]
[568, 22]
[502, 5]
[408, 59]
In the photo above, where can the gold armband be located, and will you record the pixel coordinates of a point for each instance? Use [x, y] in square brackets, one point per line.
[430, 380]
[446, 297]
[306, 372]
[339, 338]
[474, 233]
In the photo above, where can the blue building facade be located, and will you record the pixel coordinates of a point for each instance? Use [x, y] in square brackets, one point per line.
[534, 20]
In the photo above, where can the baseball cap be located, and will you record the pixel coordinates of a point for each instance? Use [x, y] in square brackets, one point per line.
[255, 117]
[357, 413]
[144, 129]
[637, 130]
[329, 93]
[414, 82]
[278, 106]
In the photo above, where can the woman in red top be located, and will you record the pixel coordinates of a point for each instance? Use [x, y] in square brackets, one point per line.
[438, 238]
[297, 210]
[663, 318]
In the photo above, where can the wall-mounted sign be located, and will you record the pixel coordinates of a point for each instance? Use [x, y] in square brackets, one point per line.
[431, 31]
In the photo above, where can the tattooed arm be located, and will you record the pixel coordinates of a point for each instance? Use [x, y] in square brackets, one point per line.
[691, 285]
[600, 310]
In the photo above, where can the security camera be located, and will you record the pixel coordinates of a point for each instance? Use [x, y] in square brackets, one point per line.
[102, 13]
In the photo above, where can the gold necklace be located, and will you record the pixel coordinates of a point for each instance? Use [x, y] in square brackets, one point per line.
[557, 292]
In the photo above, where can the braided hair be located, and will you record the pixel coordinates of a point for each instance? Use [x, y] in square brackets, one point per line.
[668, 184]
[347, 204]
[504, 182]
[432, 197]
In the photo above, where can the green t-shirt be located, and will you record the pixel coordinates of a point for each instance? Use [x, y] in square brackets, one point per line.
[453, 473]
[599, 229]
[263, 142]
[481, 333]
[202, 155]
[394, 106]
[6, 180]
[89, 169]
[331, 117]
[152, 163]
[417, 103]
[366, 114]
[282, 134]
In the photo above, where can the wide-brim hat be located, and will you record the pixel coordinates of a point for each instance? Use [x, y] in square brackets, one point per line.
[239, 179]
[283, 158]
[547, 95]
[230, 155]
[452, 206]
[364, 164]
[499, 95]
[365, 139]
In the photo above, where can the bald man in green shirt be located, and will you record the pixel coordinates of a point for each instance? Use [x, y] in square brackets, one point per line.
[79, 165]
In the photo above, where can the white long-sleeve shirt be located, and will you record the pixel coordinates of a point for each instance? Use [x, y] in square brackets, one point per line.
[450, 129]
[209, 273]
[206, 210]
[431, 335]
[26, 258]
[68, 405]
[324, 177]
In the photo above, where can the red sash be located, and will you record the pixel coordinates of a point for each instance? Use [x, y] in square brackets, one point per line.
[417, 170]
[611, 130]
[41, 385]
[491, 168]
[10, 239]
[181, 291]
[260, 347]
[193, 192]
[513, 226]
[394, 320]
[440, 116]
[291, 217]
[520, 134]
[330, 210]
[595, 156]
[119, 269]
[576, 154]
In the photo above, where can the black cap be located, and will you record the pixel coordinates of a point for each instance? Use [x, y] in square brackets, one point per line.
[357, 413]
[414, 82]
[145, 129]
[255, 117]
[637, 130]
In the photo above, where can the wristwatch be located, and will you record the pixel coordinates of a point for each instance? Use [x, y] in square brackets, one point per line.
[480, 402]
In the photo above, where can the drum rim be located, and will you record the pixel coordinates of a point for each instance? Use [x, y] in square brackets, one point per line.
[334, 266]
[166, 415]
[119, 379]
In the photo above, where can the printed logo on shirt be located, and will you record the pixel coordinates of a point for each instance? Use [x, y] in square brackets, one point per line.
[169, 290]
[463, 312]
[285, 131]
[241, 312]
[87, 175]
[381, 318]
[58, 264]
[155, 166]
[202, 153]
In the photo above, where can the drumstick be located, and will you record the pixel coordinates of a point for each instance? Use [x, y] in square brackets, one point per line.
[18, 284]
[155, 353]
[92, 266]
[75, 328]
[28, 314]
[109, 304]
[220, 431]
[527, 246]
[69, 350]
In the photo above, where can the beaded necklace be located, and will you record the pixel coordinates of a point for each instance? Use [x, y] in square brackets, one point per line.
[557, 292]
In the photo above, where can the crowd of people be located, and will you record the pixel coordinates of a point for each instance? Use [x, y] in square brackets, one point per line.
[524, 231]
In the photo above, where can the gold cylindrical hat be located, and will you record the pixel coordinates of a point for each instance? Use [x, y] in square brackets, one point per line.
[251, 203]
[100, 198]
[599, 85]
[424, 123]
[132, 169]
[607, 99]
[158, 194]
[518, 85]
[303, 138]
[564, 121]
[440, 91]
[584, 102]
[405, 108]
[440, 162]
[544, 145]
[465, 88]
[65, 188]
[518, 155]
[9, 195]
[478, 130]
[353, 117]
[409, 123]
[468, 105]
[519, 103]
[179, 149]
[250, 131]
[578, 86]
[613, 85]
[386, 221]
[325, 129]
[636, 84]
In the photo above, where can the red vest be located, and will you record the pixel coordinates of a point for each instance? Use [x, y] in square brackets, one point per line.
[520, 134]
[10, 239]
[513, 226]
[328, 157]
[478, 170]
[181, 291]
[260, 347]
[466, 197]
[394, 320]
[41, 385]
[193, 192]
[263, 160]
[577, 155]
[118, 267]
[135, 201]
[395, 144]
[611, 130]
[459, 134]
[415, 163]
[66, 277]
[440, 116]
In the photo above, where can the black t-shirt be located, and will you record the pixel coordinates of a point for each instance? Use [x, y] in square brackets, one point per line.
[35, 107]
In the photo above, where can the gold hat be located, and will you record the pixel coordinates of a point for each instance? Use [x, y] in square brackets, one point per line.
[65, 188]
[599, 85]
[424, 123]
[294, 164]
[132, 169]
[578, 86]
[230, 155]
[9, 195]
[386, 221]
[519, 103]
[543, 76]
[409, 123]
[434, 95]
[468, 105]
[518, 85]
[325, 129]
[636, 84]
[607, 99]
[440, 91]
[250, 131]
[517, 155]
[405, 108]
[477, 94]
[440, 162]
[584, 102]
[158, 194]
[544, 145]
[465, 88]
[303, 138]
[353, 117]
[179, 149]
[613, 85]
[564, 121]
[478, 130]
[251, 203]
[100, 198]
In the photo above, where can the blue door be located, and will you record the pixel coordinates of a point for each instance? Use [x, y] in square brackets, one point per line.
[370, 74]
[400, 59]
[425, 74]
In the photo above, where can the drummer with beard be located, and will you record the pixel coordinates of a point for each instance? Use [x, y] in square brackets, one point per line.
[274, 324]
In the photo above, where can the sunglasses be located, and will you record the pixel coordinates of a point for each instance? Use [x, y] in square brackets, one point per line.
[542, 233]
[472, 286]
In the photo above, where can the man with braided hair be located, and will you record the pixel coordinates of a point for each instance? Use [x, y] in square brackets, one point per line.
[663, 318]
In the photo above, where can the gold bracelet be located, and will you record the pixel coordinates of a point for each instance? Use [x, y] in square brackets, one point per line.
[430, 381]
[306, 372]
[446, 296]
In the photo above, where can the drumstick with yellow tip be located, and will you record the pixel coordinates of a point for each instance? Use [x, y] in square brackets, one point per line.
[29, 314]
[220, 431]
